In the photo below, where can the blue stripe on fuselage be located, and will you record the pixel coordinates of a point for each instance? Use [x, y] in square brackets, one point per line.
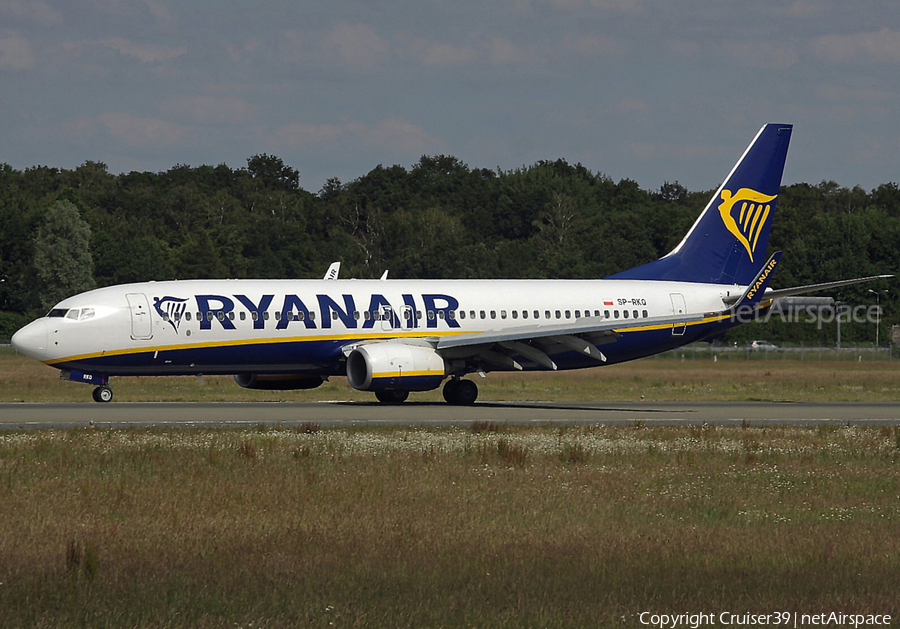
[326, 357]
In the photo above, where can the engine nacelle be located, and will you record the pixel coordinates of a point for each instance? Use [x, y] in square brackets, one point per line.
[278, 382]
[391, 365]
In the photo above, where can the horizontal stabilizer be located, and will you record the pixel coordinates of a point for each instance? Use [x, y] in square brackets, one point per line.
[812, 288]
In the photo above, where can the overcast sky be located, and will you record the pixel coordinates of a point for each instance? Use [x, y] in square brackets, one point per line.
[651, 90]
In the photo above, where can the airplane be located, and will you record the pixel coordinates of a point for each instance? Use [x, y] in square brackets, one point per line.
[392, 337]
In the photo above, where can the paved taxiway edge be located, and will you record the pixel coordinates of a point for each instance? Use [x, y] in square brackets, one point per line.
[20, 416]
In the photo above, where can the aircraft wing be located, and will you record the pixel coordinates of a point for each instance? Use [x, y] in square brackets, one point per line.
[539, 341]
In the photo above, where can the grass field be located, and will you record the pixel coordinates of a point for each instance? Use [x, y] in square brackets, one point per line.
[487, 527]
[668, 378]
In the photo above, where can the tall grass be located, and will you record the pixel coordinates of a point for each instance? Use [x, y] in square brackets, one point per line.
[536, 527]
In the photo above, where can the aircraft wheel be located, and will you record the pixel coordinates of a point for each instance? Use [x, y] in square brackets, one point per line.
[461, 392]
[103, 395]
[450, 390]
[391, 397]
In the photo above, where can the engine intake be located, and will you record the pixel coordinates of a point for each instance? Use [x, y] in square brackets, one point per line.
[278, 382]
[391, 365]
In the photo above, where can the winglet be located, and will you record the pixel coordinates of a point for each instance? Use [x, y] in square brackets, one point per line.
[757, 288]
[333, 271]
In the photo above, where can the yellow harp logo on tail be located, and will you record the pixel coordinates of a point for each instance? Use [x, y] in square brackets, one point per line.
[744, 214]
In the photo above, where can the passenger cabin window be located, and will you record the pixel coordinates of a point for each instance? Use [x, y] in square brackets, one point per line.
[606, 313]
[482, 315]
[645, 314]
[431, 315]
[254, 315]
[568, 314]
[616, 314]
[472, 314]
[625, 313]
[635, 313]
[502, 314]
[577, 314]
[244, 315]
[187, 316]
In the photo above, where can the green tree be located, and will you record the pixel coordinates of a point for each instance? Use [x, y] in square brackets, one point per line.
[62, 254]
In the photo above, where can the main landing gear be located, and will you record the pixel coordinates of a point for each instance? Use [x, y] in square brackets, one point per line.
[391, 397]
[103, 394]
[456, 391]
[460, 392]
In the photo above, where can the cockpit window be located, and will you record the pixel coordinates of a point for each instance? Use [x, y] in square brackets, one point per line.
[76, 314]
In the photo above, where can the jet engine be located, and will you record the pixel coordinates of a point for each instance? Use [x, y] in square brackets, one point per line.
[278, 382]
[392, 365]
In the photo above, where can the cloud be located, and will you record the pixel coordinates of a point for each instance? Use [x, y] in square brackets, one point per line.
[390, 135]
[634, 106]
[761, 55]
[16, 53]
[160, 11]
[833, 93]
[594, 45]
[880, 46]
[619, 6]
[357, 45]
[686, 151]
[440, 54]
[139, 132]
[209, 109]
[36, 11]
[145, 53]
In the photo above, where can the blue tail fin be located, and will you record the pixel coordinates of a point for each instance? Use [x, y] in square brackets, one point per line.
[727, 243]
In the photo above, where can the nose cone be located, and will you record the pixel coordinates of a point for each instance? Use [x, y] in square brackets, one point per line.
[32, 340]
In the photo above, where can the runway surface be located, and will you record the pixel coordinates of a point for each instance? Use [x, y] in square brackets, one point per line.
[359, 414]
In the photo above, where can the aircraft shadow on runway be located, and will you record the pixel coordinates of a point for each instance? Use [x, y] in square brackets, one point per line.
[523, 406]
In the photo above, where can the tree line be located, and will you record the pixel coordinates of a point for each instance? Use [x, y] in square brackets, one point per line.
[63, 231]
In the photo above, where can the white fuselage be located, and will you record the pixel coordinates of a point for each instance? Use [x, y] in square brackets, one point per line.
[236, 326]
